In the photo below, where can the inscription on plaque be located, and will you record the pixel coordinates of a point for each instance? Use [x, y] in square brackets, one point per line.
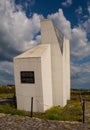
[27, 77]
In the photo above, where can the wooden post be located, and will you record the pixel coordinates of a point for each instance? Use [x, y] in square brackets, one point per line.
[14, 100]
[81, 100]
[83, 110]
[31, 107]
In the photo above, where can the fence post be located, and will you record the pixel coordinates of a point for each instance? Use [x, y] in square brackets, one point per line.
[83, 110]
[15, 100]
[31, 107]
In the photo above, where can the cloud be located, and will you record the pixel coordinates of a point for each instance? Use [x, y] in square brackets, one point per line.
[79, 10]
[86, 25]
[19, 33]
[80, 61]
[78, 36]
[26, 4]
[16, 30]
[89, 9]
[67, 3]
[6, 73]
[79, 44]
[80, 76]
[80, 49]
[61, 22]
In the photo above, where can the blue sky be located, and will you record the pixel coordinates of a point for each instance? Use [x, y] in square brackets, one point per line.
[20, 30]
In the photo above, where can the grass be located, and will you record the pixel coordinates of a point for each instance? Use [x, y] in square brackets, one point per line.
[6, 91]
[71, 112]
[3, 95]
[68, 113]
[8, 109]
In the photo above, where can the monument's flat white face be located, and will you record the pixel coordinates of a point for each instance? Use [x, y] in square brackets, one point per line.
[33, 79]
[60, 60]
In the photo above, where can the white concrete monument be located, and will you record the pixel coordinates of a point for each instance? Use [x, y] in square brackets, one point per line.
[43, 72]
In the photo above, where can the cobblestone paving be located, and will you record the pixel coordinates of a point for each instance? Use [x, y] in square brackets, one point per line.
[9, 122]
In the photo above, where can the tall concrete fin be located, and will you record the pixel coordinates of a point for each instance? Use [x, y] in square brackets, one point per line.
[49, 36]
[60, 38]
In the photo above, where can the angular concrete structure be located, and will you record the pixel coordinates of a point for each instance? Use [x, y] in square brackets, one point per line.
[33, 79]
[44, 71]
[60, 61]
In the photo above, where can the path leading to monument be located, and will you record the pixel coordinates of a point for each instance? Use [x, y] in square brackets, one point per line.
[9, 122]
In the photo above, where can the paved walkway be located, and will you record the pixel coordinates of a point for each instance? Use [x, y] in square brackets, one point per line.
[9, 122]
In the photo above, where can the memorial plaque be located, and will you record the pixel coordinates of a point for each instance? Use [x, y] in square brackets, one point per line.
[27, 77]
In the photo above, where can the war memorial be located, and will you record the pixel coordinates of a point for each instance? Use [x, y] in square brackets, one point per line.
[43, 72]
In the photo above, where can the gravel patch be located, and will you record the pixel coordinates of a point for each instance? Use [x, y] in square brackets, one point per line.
[15, 122]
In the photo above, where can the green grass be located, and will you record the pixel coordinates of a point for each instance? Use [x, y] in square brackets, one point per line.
[3, 95]
[71, 112]
[8, 109]
[7, 91]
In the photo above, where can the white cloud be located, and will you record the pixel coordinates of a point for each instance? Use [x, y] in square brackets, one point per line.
[33, 42]
[86, 25]
[79, 43]
[78, 36]
[62, 23]
[18, 33]
[7, 67]
[6, 73]
[81, 75]
[89, 8]
[67, 3]
[79, 10]
[16, 27]
[80, 48]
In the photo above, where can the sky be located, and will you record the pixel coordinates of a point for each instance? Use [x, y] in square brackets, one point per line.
[20, 31]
